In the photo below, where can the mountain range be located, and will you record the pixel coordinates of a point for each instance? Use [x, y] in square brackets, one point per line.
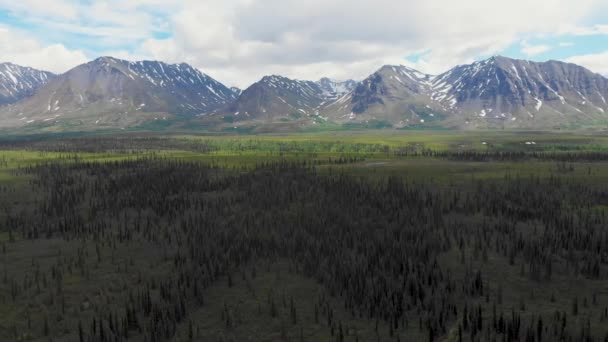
[498, 92]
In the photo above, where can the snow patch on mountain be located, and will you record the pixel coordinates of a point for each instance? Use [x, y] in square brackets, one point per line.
[17, 82]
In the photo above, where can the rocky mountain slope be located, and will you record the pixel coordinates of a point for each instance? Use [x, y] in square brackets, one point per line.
[335, 89]
[495, 93]
[394, 95]
[17, 82]
[276, 98]
[237, 91]
[516, 93]
[118, 93]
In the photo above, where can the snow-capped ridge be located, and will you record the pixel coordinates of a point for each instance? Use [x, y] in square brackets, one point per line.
[18, 82]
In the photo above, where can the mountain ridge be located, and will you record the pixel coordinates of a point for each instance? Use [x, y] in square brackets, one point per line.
[498, 92]
[511, 92]
[277, 96]
[18, 82]
[111, 92]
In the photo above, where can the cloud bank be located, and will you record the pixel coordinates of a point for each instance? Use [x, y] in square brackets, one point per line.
[239, 41]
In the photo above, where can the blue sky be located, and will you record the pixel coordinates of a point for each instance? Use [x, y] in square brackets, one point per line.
[88, 32]
[561, 47]
[239, 41]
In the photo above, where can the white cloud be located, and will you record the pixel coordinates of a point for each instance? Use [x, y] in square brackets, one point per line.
[533, 50]
[239, 41]
[18, 48]
[569, 29]
[108, 23]
[566, 44]
[595, 62]
[45, 8]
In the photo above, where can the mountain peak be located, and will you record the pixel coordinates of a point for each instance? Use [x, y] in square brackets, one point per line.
[277, 97]
[399, 71]
[146, 63]
[276, 78]
[513, 92]
[388, 68]
[11, 65]
[501, 61]
[112, 92]
[107, 59]
[496, 92]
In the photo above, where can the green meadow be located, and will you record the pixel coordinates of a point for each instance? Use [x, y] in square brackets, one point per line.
[365, 153]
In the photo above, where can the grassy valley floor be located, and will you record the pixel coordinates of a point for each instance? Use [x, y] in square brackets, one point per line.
[352, 236]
